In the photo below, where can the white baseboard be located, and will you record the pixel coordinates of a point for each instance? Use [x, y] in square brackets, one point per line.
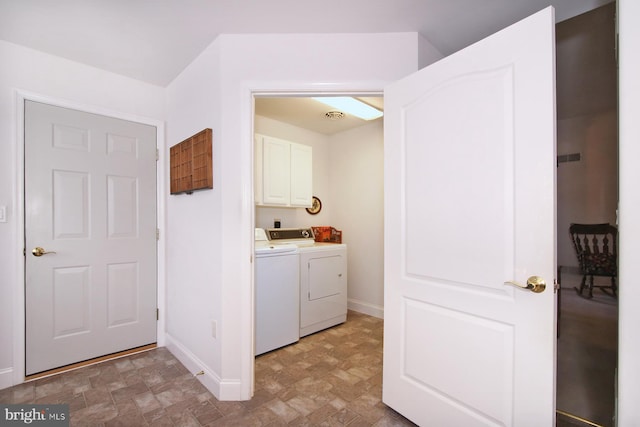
[366, 308]
[6, 378]
[221, 389]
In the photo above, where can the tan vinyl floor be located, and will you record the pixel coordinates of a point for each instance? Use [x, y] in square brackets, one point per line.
[331, 378]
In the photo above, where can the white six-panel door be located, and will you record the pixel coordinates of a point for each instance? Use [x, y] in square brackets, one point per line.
[469, 206]
[90, 203]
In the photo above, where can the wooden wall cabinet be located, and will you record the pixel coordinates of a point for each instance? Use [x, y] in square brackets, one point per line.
[191, 163]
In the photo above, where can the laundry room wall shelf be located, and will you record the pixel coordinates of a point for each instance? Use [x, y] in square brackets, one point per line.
[191, 163]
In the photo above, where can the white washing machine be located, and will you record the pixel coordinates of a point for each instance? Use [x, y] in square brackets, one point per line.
[277, 294]
[323, 278]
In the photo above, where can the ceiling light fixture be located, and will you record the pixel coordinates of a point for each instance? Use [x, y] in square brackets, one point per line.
[334, 115]
[351, 106]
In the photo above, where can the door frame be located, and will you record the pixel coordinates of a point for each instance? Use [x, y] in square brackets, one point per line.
[277, 89]
[19, 313]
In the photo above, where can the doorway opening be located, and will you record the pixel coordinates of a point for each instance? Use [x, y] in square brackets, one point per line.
[587, 183]
[347, 177]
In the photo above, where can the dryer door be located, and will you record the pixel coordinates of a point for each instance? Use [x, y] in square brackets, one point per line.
[323, 289]
[326, 276]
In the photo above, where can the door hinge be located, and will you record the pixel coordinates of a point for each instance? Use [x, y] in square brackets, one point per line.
[157, 234]
[157, 314]
[556, 286]
[157, 154]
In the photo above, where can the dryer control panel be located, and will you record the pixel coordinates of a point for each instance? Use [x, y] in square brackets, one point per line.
[290, 235]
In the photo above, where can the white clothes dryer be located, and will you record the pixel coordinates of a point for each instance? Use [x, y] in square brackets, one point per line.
[323, 279]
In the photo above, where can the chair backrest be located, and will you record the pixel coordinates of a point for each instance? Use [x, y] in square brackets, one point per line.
[596, 247]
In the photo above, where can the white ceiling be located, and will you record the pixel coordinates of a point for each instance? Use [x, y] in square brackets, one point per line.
[154, 40]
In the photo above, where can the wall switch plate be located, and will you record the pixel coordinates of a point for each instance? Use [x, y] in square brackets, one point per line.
[3, 214]
[214, 329]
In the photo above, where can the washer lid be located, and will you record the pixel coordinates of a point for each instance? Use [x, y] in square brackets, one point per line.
[270, 249]
[260, 235]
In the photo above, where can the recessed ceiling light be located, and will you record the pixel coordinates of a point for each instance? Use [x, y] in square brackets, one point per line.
[351, 106]
[334, 115]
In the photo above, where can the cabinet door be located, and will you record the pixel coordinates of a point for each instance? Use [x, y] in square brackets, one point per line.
[257, 169]
[301, 175]
[276, 156]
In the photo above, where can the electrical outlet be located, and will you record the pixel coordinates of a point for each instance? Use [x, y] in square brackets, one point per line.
[214, 329]
[3, 214]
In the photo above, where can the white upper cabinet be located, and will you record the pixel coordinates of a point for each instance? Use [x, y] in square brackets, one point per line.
[276, 167]
[283, 173]
[301, 173]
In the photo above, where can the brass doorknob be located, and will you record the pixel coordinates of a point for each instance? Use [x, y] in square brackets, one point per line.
[38, 251]
[535, 284]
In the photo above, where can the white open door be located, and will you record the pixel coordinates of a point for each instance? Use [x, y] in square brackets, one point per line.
[470, 205]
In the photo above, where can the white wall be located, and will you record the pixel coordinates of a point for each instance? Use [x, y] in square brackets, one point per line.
[296, 63]
[68, 83]
[298, 217]
[357, 187]
[629, 269]
[427, 54]
[194, 241]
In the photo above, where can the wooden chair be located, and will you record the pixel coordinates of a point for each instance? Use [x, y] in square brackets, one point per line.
[596, 247]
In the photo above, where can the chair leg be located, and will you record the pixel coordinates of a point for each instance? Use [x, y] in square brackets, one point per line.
[614, 286]
[590, 287]
[583, 283]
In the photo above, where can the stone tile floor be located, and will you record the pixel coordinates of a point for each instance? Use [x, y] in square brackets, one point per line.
[331, 378]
